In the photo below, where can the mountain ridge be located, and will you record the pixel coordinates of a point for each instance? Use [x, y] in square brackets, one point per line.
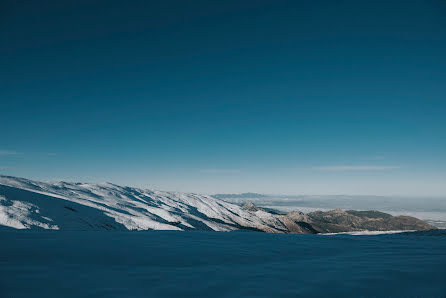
[28, 204]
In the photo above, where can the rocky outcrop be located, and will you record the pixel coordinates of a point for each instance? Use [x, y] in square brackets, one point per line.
[298, 216]
[337, 221]
[250, 207]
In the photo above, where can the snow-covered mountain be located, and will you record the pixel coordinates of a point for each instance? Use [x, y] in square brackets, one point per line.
[26, 204]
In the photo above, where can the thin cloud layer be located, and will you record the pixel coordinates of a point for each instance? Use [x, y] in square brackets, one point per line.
[8, 152]
[219, 171]
[355, 168]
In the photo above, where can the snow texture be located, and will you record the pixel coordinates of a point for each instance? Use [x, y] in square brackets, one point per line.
[41, 263]
[26, 204]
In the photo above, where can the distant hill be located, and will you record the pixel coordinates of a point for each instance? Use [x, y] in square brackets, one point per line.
[246, 195]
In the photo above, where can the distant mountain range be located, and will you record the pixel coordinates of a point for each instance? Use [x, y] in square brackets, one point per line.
[246, 195]
[27, 204]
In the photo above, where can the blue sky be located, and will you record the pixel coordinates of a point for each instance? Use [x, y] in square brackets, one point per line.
[294, 97]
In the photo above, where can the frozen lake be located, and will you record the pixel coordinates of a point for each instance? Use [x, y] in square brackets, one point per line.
[219, 264]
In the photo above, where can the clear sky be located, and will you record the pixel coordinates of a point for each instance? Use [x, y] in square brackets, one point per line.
[290, 97]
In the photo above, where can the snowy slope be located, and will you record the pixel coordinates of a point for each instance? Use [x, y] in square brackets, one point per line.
[42, 263]
[26, 204]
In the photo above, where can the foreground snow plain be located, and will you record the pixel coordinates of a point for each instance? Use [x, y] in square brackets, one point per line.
[42, 263]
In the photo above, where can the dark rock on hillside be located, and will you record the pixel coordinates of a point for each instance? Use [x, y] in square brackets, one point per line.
[397, 223]
[369, 214]
[337, 221]
[298, 216]
[250, 207]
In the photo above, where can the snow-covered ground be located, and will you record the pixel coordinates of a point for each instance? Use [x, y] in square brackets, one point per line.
[26, 204]
[40, 263]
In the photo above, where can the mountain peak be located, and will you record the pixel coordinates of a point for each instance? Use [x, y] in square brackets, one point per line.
[250, 207]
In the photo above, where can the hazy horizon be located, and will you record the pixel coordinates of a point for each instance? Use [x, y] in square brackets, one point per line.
[239, 194]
